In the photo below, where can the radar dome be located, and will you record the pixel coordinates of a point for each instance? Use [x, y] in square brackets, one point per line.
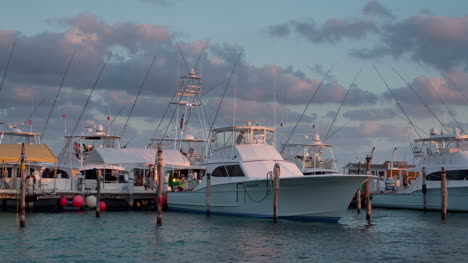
[317, 138]
[99, 129]
[189, 137]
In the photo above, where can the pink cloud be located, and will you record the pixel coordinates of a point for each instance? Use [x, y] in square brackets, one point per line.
[450, 30]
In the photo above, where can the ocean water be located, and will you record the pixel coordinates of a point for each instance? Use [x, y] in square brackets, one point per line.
[393, 236]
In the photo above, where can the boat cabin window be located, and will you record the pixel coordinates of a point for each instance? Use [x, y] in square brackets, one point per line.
[48, 173]
[228, 171]
[7, 172]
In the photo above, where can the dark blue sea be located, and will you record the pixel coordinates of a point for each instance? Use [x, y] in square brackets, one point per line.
[393, 236]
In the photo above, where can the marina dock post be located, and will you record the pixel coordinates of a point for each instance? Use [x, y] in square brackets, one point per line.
[208, 193]
[98, 193]
[367, 189]
[358, 193]
[424, 188]
[444, 192]
[276, 177]
[160, 172]
[23, 188]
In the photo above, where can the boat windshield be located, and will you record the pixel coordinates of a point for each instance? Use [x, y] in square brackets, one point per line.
[227, 137]
[319, 157]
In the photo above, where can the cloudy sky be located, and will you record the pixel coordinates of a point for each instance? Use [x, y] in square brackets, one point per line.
[286, 48]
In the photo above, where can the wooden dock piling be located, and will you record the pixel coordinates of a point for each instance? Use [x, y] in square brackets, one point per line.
[208, 193]
[160, 171]
[23, 188]
[98, 193]
[276, 177]
[358, 193]
[444, 193]
[424, 188]
[367, 189]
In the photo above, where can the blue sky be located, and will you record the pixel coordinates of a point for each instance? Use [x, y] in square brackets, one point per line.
[287, 45]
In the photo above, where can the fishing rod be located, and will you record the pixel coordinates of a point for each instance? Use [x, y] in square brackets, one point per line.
[420, 99]
[138, 95]
[7, 65]
[445, 104]
[58, 92]
[399, 104]
[86, 104]
[310, 101]
[341, 105]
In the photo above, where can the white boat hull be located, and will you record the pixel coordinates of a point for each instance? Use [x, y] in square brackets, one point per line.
[315, 198]
[457, 201]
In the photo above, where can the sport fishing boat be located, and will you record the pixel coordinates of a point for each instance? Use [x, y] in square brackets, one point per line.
[436, 151]
[240, 163]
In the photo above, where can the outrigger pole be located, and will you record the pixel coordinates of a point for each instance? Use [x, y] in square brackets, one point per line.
[420, 99]
[58, 92]
[399, 104]
[341, 105]
[85, 105]
[308, 104]
[7, 65]
[445, 104]
[138, 95]
[222, 98]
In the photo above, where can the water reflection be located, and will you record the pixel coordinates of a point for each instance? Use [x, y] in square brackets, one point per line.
[392, 236]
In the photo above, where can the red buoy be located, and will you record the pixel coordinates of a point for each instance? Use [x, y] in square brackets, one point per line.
[78, 201]
[164, 200]
[102, 206]
[63, 201]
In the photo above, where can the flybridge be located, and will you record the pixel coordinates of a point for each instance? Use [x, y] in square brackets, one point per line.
[438, 143]
[17, 136]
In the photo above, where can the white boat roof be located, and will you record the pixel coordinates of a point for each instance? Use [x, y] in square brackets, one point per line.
[443, 137]
[261, 168]
[94, 136]
[309, 145]
[245, 127]
[135, 156]
[20, 133]
[252, 152]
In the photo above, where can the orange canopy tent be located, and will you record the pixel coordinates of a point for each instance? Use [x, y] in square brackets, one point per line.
[11, 153]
